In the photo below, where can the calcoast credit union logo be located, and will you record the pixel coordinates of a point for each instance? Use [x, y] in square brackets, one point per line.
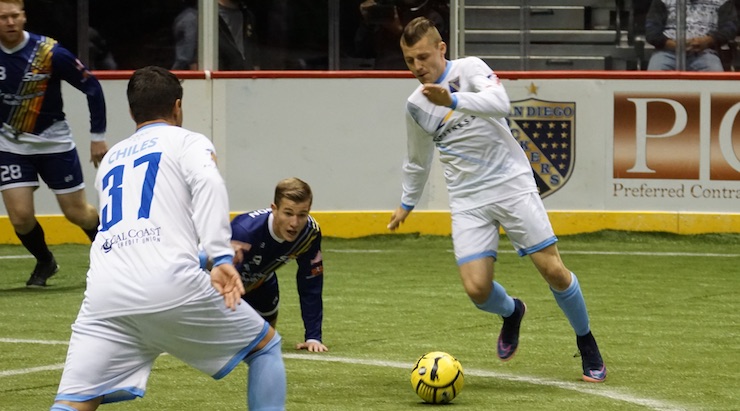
[546, 132]
[131, 237]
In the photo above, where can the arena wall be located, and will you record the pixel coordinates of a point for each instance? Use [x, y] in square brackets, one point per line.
[640, 152]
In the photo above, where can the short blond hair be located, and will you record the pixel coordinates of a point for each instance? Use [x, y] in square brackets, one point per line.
[418, 29]
[293, 189]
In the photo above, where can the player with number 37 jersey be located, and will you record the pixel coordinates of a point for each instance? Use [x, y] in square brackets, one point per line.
[136, 245]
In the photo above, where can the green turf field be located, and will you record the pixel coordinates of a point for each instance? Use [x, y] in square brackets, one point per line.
[664, 309]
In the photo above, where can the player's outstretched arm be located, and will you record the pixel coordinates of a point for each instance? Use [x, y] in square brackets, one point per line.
[398, 217]
[228, 283]
[312, 346]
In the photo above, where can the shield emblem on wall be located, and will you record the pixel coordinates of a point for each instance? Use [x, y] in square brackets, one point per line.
[546, 132]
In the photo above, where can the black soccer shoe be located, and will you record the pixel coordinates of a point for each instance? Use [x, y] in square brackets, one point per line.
[508, 339]
[594, 369]
[41, 273]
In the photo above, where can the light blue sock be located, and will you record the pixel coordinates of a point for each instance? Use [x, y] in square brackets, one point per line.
[574, 306]
[62, 407]
[267, 383]
[498, 302]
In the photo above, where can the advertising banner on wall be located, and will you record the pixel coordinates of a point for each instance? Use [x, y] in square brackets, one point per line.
[637, 145]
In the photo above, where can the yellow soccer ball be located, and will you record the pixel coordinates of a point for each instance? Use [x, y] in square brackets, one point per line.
[437, 377]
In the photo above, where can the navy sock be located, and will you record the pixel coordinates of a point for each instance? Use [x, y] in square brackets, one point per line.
[36, 244]
[91, 233]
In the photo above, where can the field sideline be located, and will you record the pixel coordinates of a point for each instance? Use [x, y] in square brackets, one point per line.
[355, 224]
[664, 307]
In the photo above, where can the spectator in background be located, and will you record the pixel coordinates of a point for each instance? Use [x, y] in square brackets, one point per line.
[185, 31]
[382, 24]
[101, 57]
[710, 24]
[237, 38]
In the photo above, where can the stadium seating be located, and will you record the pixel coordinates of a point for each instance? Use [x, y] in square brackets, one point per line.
[573, 35]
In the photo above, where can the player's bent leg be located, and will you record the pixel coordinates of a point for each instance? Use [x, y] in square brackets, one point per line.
[78, 211]
[551, 267]
[573, 305]
[19, 205]
[267, 388]
[490, 296]
[567, 292]
[477, 278]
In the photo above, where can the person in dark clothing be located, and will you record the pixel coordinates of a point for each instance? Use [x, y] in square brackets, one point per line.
[710, 24]
[237, 38]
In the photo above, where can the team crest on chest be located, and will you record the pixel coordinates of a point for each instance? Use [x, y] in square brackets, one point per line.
[454, 85]
[546, 132]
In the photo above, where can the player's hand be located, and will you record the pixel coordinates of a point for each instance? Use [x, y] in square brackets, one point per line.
[228, 283]
[97, 151]
[398, 217]
[437, 94]
[312, 346]
[240, 247]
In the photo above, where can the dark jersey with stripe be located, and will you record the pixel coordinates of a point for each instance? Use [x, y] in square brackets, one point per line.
[267, 254]
[31, 87]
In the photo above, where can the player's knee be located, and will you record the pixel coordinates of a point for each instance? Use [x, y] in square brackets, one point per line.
[478, 293]
[85, 216]
[477, 288]
[558, 277]
[270, 345]
[23, 221]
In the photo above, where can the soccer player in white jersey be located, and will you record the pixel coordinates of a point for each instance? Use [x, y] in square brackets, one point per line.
[160, 193]
[460, 108]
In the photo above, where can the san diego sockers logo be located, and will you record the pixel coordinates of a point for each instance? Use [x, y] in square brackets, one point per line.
[546, 132]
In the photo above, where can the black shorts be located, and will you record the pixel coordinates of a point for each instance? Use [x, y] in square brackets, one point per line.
[62, 172]
[265, 299]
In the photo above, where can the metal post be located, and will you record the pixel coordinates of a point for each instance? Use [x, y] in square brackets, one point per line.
[207, 35]
[457, 29]
[681, 35]
[83, 31]
[524, 13]
[333, 35]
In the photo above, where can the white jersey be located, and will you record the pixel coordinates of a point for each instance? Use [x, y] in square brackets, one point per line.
[483, 162]
[160, 195]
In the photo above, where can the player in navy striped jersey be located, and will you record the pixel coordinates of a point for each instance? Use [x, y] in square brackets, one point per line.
[265, 240]
[35, 139]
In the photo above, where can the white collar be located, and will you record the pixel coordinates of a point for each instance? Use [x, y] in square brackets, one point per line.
[19, 46]
[270, 220]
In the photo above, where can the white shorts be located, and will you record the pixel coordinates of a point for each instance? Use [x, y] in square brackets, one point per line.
[113, 357]
[475, 233]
